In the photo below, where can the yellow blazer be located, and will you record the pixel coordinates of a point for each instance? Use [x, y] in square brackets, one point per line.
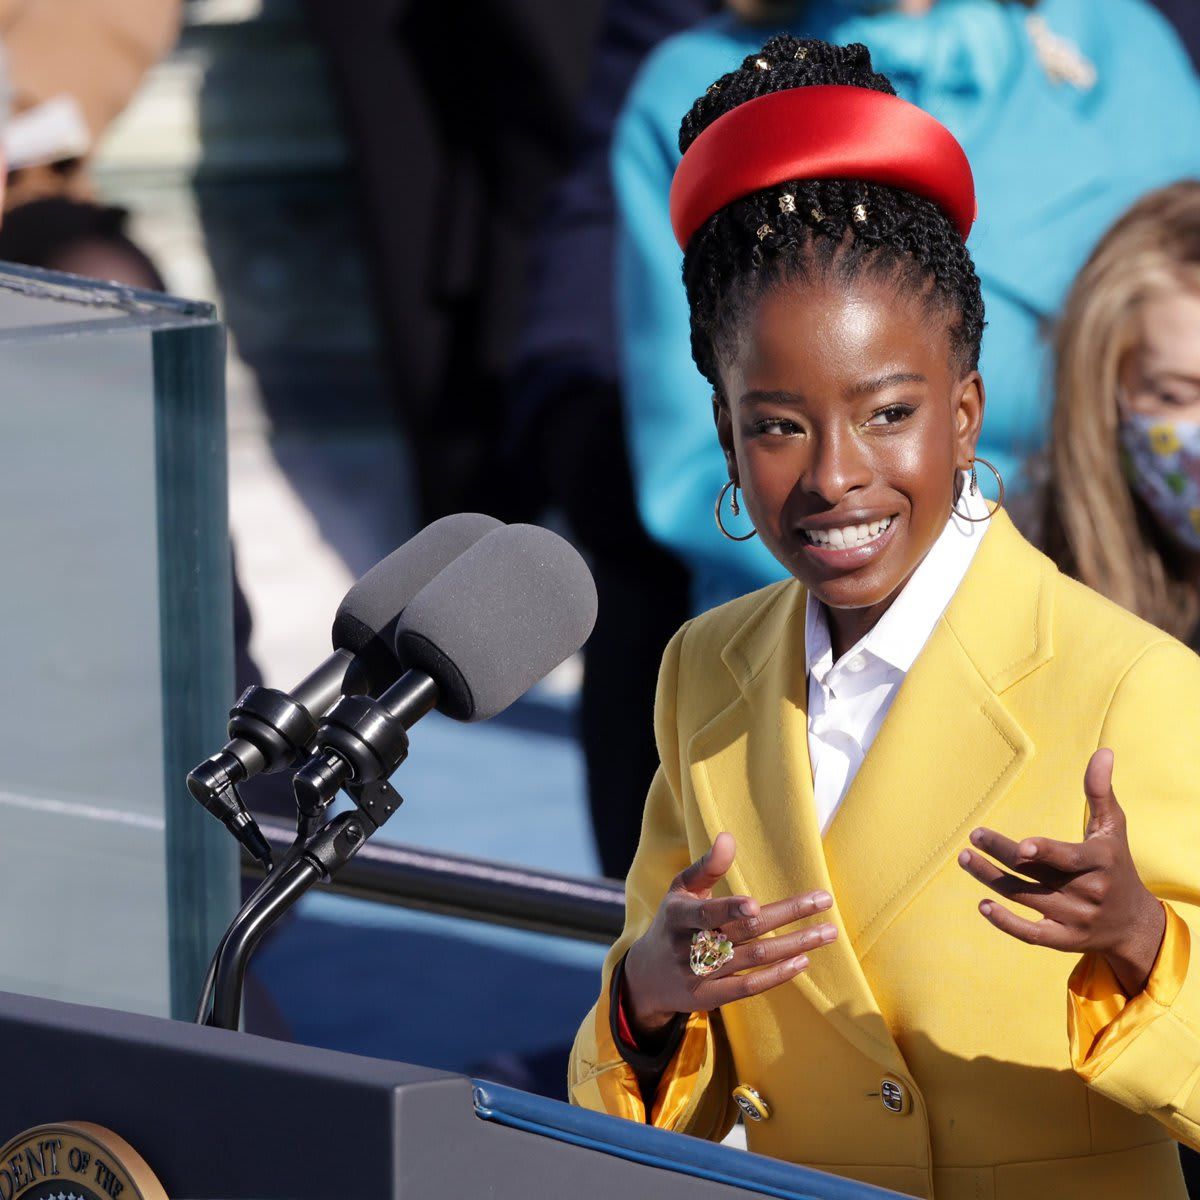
[1024, 676]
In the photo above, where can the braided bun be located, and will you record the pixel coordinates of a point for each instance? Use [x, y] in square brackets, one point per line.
[807, 230]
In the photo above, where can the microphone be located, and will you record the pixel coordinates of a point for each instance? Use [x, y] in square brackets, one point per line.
[498, 619]
[271, 729]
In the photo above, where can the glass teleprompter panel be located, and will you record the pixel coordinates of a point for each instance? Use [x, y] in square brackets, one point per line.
[115, 639]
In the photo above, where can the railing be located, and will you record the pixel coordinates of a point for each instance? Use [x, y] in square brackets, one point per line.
[586, 909]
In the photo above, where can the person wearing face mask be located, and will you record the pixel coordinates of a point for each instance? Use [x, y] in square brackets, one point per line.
[1123, 501]
[1061, 105]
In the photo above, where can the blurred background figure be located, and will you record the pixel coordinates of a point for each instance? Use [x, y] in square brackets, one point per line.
[456, 132]
[566, 443]
[1060, 107]
[1123, 503]
[1185, 14]
[73, 66]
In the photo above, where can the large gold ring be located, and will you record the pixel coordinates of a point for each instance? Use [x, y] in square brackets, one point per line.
[711, 950]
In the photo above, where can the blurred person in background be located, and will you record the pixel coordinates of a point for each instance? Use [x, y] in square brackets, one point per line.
[73, 65]
[457, 132]
[1067, 109]
[1185, 14]
[567, 445]
[1123, 503]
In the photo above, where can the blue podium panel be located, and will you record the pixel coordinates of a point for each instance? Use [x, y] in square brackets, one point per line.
[666, 1151]
[115, 628]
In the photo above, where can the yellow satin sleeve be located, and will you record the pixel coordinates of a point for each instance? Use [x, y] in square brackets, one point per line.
[1102, 1020]
[614, 1087]
[676, 1088]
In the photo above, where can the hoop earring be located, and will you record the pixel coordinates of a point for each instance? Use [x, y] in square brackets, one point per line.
[736, 509]
[974, 485]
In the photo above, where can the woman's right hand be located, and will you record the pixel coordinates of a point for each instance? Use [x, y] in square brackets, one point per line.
[659, 982]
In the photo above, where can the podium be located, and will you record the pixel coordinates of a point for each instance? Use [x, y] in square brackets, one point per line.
[227, 1116]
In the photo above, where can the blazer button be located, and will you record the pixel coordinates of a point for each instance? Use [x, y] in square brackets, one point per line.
[753, 1106]
[895, 1096]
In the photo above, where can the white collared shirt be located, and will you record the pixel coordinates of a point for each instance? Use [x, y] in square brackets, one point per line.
[848, 700]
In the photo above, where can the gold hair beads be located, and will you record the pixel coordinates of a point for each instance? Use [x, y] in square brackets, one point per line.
[787, 203]
[859, 213]
[761, 64]
[817, 215]
[764, 231]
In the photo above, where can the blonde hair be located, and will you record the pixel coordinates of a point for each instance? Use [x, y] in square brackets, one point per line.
[1096, 527]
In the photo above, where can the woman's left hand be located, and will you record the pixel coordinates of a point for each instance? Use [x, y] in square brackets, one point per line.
[1089, 893]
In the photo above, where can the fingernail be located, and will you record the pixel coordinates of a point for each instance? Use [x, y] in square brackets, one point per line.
[985, 907]
[1027, 849]
[977, 836]
[828, 932]
[746, 908]
[799, 963]
[964, 858]
[822, 899]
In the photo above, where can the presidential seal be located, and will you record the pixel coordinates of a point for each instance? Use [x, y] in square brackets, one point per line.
[74, 1160]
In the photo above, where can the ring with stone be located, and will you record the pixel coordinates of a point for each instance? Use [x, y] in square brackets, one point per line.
[711, 950]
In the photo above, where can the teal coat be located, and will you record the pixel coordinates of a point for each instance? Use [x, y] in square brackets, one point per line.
[1055, 164]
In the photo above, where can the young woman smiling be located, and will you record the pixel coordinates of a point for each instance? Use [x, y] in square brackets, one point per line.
[888, 786]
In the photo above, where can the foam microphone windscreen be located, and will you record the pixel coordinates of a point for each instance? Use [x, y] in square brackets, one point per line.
[366, 618]
[497, 619]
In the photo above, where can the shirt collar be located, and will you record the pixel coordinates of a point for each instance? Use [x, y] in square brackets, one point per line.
[903, 630]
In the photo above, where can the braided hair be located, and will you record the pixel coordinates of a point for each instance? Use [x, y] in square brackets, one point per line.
[816, 229]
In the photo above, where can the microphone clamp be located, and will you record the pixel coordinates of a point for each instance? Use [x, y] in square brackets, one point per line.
[214, 783]
[272, 725]
[359, 742]
[362, 740]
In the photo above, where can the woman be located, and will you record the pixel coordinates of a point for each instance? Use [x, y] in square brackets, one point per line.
[1068, 109]
[1124, 496]
[900, 728]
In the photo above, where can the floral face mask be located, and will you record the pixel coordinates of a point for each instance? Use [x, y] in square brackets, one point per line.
[1162, 462]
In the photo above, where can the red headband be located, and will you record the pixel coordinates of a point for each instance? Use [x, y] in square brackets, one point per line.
[825, 132]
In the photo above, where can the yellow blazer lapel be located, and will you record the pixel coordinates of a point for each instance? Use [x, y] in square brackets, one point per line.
[750, 774]
[949, 748]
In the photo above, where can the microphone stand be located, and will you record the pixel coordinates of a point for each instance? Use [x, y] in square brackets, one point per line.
[309, 861]
[305, 826]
